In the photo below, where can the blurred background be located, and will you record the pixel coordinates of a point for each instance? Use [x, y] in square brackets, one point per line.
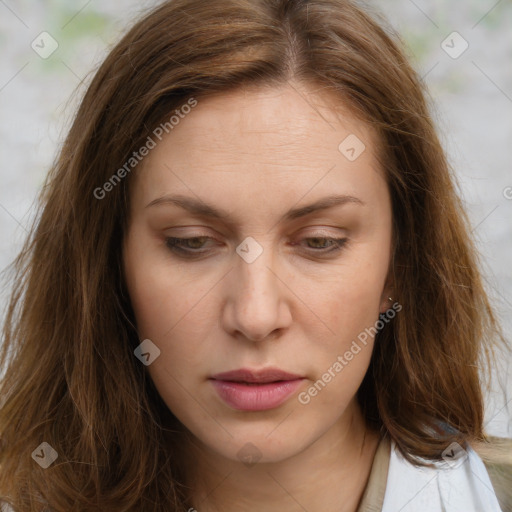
[49, 50]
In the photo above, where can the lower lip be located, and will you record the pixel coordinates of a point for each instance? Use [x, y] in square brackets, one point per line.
[255, 397]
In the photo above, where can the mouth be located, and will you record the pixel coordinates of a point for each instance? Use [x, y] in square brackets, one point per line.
[255, 390]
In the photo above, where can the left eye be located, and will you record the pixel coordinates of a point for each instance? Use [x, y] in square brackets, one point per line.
[194, 246]
[334, 243]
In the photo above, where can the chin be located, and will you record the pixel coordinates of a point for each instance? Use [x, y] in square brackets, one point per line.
[259, 444]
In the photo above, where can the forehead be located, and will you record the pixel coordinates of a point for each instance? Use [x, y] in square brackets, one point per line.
[288, 137]
[288, 115]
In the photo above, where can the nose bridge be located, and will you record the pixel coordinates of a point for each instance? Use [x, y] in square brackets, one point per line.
[256, 291]
[255, 279]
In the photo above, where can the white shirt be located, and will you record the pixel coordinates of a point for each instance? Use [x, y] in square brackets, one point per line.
[460, 484]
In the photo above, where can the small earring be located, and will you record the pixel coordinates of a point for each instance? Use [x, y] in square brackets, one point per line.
[390, 299]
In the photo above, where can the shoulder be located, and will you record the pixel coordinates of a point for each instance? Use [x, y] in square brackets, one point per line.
[458, 483]
[496, 454]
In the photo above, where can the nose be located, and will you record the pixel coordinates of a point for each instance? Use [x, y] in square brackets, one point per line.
[257, 306]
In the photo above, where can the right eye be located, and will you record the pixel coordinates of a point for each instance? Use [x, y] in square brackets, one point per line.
[187, 247]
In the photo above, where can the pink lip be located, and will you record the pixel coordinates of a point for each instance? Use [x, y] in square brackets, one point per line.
[251, 390]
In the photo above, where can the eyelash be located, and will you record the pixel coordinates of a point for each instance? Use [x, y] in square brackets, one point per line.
[174, 245]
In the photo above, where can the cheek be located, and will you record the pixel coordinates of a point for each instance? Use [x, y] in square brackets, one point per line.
[162, 315]
[350, 301]
[163, 296]
[340, 360]
[351, 319]
[349, 306]
[173, 309]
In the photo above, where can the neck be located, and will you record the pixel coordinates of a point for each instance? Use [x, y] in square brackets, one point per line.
[330, 474]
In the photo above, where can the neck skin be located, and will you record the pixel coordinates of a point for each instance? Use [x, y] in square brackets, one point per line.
[331, 474]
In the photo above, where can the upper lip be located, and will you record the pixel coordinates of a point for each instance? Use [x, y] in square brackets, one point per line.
[263, 376]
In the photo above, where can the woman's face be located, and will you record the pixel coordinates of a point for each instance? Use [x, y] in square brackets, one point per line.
[263, 182]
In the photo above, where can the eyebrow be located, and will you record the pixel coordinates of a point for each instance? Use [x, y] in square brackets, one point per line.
[200, 208]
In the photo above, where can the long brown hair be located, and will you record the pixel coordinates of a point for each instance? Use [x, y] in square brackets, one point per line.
[71, 379]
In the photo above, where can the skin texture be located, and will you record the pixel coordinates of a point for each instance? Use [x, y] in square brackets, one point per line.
[256, 153]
